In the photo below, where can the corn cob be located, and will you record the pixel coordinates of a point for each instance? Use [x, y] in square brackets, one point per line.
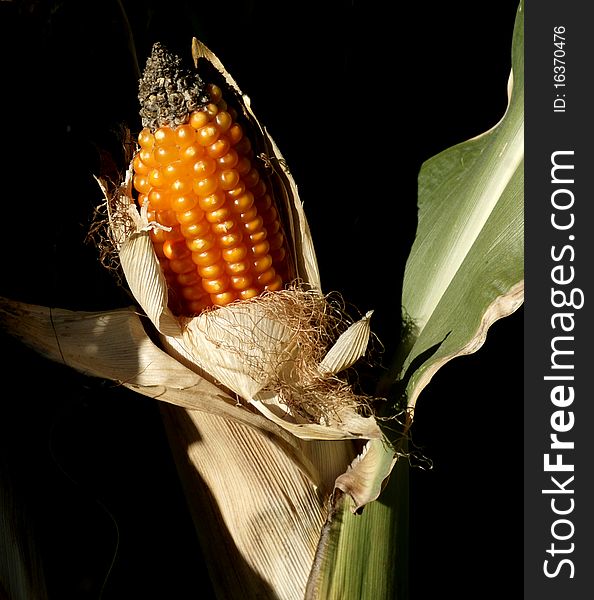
[219, 236]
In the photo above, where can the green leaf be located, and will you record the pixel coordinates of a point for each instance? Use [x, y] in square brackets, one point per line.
[465, 269]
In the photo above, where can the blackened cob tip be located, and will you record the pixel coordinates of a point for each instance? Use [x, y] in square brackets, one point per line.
[169, 90]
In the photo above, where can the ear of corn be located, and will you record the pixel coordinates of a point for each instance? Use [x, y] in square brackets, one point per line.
[217, 232]
[276, 492]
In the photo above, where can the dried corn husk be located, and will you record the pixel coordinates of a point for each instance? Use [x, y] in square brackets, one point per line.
[259, 473]
[244, 346]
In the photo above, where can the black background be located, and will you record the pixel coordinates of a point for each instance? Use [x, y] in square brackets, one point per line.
[357, 96]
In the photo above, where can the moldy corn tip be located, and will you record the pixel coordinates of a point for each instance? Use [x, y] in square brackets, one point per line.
[168, 90]
[218, 236]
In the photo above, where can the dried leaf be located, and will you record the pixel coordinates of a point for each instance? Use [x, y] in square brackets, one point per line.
[113, 345]
[350, 426]
[239, 345]
[253, 509]
[366, 476]
[349, 347]
[146, 281]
